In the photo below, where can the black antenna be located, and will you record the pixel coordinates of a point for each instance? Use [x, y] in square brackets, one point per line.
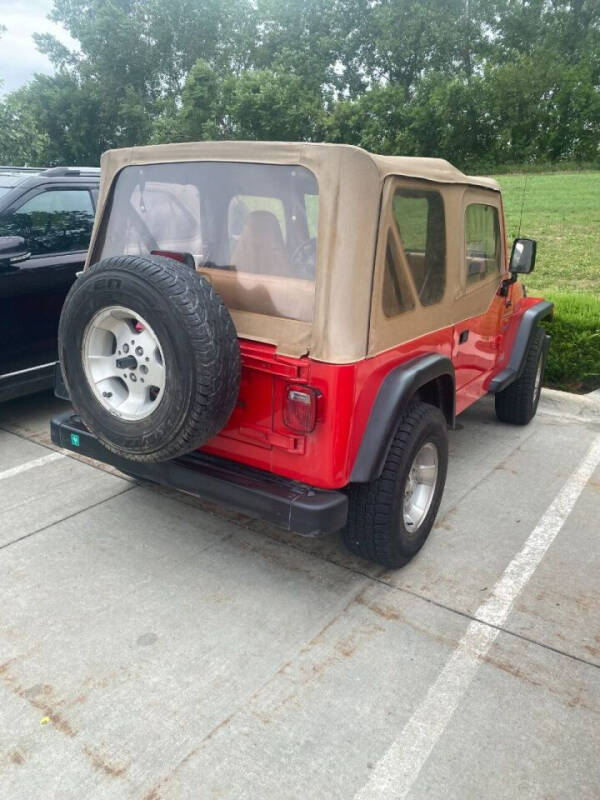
[522, 205]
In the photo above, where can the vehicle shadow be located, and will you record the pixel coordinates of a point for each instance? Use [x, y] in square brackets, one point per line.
[30, 416]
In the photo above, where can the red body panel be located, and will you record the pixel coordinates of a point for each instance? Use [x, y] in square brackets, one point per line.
[256, 434]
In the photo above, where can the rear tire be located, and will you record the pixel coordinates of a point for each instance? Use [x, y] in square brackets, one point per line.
[518, 403]
[378, 528]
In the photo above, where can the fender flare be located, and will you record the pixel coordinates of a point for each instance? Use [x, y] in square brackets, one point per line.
[395, 393]
[527, 324]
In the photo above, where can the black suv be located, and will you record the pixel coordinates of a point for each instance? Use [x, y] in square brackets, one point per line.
[46, 218]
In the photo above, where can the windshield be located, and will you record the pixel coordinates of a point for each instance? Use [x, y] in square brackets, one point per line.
[251, 229]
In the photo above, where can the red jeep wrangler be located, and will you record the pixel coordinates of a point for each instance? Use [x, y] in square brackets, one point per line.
[290, 329]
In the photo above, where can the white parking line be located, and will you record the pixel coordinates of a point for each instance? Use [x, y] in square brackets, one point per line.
[395, 774]
[36, 462]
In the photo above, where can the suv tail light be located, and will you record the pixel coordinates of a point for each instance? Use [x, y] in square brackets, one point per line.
[185, 258]
[300, 408]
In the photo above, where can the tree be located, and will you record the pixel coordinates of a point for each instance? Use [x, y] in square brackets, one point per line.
[78, 120]
[543, 109]
[401, 41]
[569, 29]
[450, 118]
[377, 120]
[23, 142]
[198, 117]
[481, 82]
[265, 104]
[301, 37]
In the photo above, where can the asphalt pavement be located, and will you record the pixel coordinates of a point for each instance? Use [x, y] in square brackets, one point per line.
[155, 648]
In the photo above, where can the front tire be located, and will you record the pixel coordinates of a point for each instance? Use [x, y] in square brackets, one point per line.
[518, 403]
[390, 518]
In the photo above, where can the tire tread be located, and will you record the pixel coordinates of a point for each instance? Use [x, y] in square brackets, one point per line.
[517, 403]
[211, 339]
[369, 531]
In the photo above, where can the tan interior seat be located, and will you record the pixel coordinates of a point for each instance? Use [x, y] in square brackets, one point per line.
[260, 248]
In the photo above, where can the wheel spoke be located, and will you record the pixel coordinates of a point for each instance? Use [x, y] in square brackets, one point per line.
[117, 326]
[408, 517]
[426, 473]
[155, 375]
[146, 341]
[136, 399]
[103, 367]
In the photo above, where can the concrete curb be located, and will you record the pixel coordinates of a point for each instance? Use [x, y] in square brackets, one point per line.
[582, 407]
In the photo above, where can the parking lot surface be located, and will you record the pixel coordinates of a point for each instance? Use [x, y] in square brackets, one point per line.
[154, 648]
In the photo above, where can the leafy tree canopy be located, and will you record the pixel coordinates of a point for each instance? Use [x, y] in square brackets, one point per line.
[481, 82]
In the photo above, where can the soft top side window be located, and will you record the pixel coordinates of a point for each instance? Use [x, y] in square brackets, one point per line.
[397, 296]
[420, 220]
[482, 242]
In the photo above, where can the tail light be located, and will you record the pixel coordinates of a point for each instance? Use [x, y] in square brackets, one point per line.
[185, 258]
[300, 408]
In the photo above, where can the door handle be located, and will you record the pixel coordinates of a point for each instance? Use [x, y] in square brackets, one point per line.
[464, 335]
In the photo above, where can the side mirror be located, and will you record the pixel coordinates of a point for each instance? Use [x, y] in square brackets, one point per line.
[12, 250]
[522, 258]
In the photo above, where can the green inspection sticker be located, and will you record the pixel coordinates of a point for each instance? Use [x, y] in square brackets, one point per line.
[75, 439]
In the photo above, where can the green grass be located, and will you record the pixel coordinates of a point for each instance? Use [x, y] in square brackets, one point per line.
[574, 358]
[562, 211]
[541, 166]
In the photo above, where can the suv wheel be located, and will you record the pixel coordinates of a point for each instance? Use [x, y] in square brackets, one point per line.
[518, 403]
[150, 355]
[390, 518]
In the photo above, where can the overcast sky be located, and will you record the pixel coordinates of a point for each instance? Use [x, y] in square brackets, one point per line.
[19, 59]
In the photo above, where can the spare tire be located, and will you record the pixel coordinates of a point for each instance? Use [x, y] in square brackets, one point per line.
[150, 356]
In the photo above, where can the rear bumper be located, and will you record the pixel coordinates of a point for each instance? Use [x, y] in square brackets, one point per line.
[284, 503]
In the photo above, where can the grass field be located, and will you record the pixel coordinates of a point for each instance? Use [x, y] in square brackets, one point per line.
[562, 211]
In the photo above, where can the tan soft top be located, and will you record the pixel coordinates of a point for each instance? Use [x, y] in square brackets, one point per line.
[350, 183]
[428, 169]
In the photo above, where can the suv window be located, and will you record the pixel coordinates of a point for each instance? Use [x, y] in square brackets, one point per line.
[397, 296]
[482, 241]
[419, 217]
[55, 221]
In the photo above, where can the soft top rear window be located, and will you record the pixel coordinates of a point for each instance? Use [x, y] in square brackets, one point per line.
[250, 228]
